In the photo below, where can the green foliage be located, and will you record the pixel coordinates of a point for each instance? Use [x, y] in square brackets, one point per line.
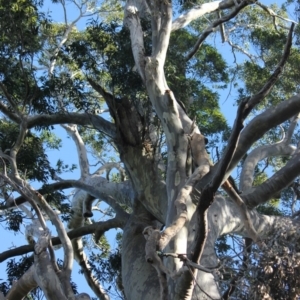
[14, 220]
[50, 139]
[15, 269]
[32, 160]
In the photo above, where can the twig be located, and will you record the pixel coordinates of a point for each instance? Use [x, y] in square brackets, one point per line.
[214, 25]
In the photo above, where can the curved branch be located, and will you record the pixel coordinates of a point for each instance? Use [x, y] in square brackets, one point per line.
[82, 260]
[259, 125]
[100, 188]
[106, 168]
[281, 148]
[200, 10]
[12, 116]
[273, 14]
[84, 119]
[81, 150]
[23, 286]
[259, 154]
[215, 24]
[195, 13]
[274, 184]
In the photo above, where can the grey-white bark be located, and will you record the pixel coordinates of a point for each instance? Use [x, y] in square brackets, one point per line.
[154, 201]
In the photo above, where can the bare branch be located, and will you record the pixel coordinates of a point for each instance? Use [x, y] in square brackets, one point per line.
[243, 210]
[273, 14]
[198, 11]
[274, 184]
[44, 273]
[106, 168]
[11, 115]
[117, 222]
[85, 119]
[215, 24]
[132, 11]
[82, 260]
[63, 40]
[281, 148]
[23, 286]
[81, 150]
[164, 31]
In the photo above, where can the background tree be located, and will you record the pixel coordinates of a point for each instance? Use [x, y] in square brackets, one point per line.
[138, 92]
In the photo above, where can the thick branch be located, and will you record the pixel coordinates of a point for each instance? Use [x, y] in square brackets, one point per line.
[258, 154]
[132, 12]
[198, 11]
[81, 150]
[259, 125]
[281, 179]
[195, 13]
[12, 116]
[85, 119]
[23, 286]
[45, 275]
[164, 32]
[105, 191]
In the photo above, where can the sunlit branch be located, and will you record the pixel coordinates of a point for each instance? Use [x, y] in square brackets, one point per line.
[64, 38]
[107, 167]
[98, 193]
[198, 11]
[132, 12]
[240, 49]
[164, 32]
[275, 183]
[282, 148]
[45, 276]
[81, 150]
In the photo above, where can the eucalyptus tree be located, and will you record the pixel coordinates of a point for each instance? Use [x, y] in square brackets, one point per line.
[137, 88]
